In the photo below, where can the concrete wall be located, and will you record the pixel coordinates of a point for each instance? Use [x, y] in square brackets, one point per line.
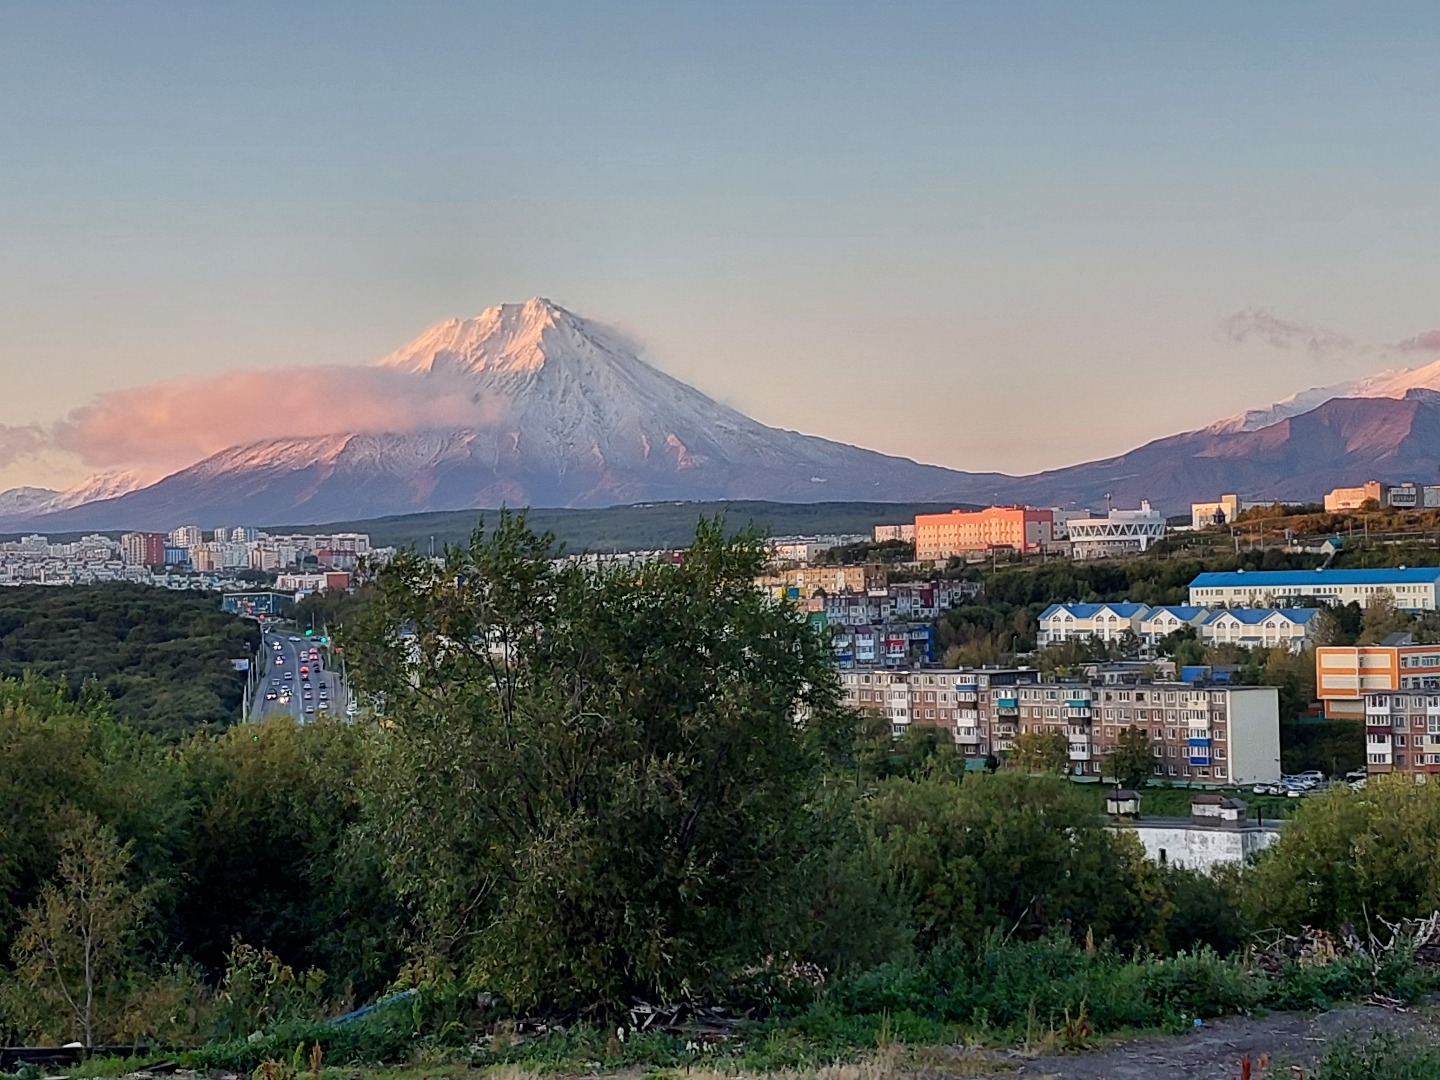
[1199, 847]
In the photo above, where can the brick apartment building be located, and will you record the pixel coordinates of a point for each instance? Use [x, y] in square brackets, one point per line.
[1209, 734]
[1402, 733]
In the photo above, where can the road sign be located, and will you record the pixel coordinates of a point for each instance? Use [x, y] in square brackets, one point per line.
[240, 665]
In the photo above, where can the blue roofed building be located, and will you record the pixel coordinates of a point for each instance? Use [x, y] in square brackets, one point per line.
[1263, 628]
[1103, 622]
[1412, 589]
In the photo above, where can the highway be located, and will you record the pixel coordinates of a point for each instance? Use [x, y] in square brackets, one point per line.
[295, 673]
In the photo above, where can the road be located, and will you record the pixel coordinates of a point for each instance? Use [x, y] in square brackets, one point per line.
[297, 692]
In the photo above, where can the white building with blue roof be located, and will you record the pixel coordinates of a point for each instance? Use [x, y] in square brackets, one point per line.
[1159, 622]
[1412, 589]
[1262, 628]
[1103, 622]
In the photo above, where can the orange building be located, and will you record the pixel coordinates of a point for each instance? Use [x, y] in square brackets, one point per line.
[1022, 528]
[1344, 674]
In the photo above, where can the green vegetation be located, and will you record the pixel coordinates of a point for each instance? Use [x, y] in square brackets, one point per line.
[588, 788]
[162, 657]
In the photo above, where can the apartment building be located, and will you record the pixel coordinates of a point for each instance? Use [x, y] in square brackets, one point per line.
[803, 582]
[1080, 622]
[1019, 528]
[1402, 733]
[1352, 498]
[1262, 628]
[1120, 532]
[1160, 622]
[904, 531]
[1200, 733]
[1413, 589]
[1345, 674]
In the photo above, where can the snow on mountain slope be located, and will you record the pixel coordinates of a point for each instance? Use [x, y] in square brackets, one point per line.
[1393, 383]
[565, 414]
[24, 501]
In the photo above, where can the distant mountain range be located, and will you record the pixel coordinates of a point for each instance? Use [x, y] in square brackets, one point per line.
[565, 414]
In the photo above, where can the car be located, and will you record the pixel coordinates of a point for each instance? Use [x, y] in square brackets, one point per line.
[1261, 789]
[304, 670]
[1355, 774]
[289, 675]
[270, 695]
[294, 639]
[324, 706]
[309, 708]
[274, 682]
[308, 695]
[1311, 774]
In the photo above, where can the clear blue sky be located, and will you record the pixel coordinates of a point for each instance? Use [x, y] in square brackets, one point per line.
[989, 235]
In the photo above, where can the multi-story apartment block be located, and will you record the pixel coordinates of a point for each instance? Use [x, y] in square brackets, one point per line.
[1259, 627]
[1352, 498]
[803, 582]
[143, 549]
[1201, 733]
[1413, 589]
[1018, 528]
[905, 531]
[890, 645]
[1119, 532]
[1402, 733]
[1345, 674]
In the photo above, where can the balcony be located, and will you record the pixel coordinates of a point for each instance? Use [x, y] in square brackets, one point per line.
[1078, 710]
[1377, 708]
[1201, 744]
[1079, 753]
[1003, 729]
[967, 735]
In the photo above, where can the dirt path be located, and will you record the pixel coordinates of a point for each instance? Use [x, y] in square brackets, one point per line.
[1213, 1052]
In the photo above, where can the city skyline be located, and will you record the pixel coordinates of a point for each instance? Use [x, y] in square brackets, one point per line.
[973, 204]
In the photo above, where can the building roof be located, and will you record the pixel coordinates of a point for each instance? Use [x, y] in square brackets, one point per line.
[1085, 611]
[1261, 579]
[1255, 616]
[1180, 611]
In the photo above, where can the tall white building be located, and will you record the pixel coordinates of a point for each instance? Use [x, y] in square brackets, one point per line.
[186, 536]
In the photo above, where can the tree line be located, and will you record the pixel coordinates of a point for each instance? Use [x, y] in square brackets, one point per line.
[580, 787]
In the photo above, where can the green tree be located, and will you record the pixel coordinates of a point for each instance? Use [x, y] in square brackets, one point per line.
[1041, 752]
[599, 782]
[1352, 856]
[1132, 762]
[1017, 854]
[1381, 618]
[75, 951]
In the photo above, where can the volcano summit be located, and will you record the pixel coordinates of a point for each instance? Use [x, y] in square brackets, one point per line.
[560, 411]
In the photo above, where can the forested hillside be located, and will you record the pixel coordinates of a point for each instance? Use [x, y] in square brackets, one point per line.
[162, 657]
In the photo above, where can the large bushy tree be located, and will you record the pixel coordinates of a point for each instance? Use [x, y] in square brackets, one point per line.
[598, 781]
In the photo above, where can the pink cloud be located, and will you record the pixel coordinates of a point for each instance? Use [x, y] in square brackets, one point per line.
[1428, 342]
[173, 424]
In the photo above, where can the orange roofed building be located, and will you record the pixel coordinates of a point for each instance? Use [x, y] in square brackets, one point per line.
[1021, 528]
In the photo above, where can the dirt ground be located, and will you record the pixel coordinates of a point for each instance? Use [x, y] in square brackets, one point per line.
[1213, 1052]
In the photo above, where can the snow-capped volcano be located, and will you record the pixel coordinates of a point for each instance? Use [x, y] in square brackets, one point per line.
[1393, 383]
[558, 411]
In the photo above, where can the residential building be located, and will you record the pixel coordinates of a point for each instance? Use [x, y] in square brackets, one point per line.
[1345, 674]
[960, 532]
[304, 584]
[1160, 622]
[785, 550]
[1103, 622]
[143, 549]
[1120, 532]
[1262, 628]
[186, 536]
[1201, 733]
[803, 582]
[1402, 733]
[895, 532]
[1413, 589]
[1223, 511]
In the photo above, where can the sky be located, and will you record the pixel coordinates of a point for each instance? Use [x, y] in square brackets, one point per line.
[988, 235]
